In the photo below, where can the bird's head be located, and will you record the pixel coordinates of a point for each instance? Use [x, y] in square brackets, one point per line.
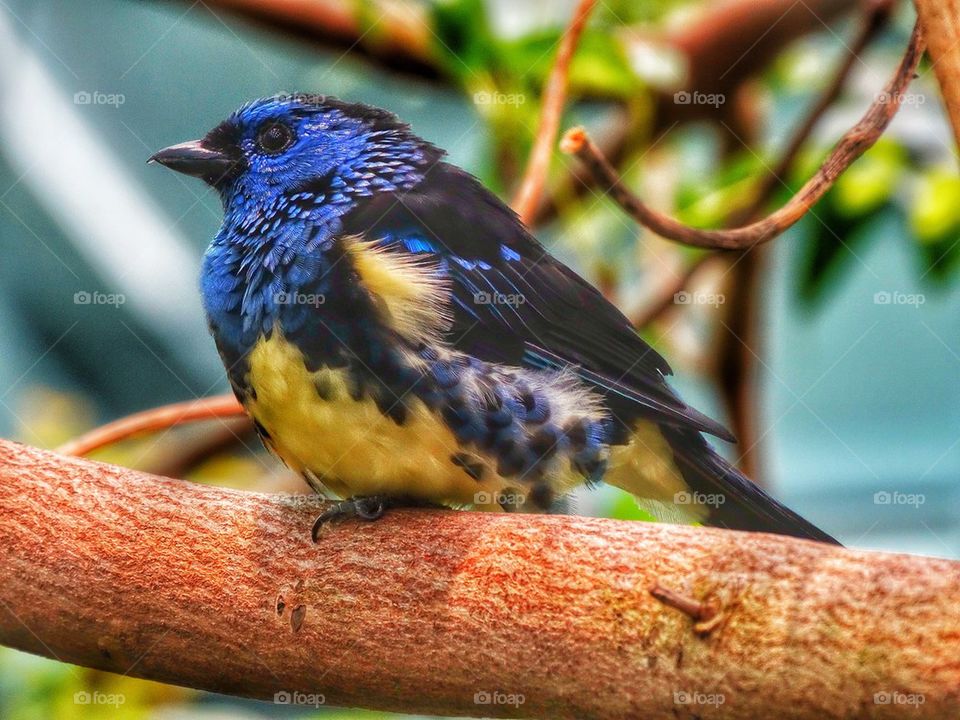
[276, 147]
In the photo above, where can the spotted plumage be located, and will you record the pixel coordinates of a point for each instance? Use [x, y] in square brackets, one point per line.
[395, 331]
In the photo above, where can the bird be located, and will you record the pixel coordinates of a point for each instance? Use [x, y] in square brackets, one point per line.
[400, 338]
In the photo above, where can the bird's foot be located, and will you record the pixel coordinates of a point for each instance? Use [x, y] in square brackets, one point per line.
[369, 508]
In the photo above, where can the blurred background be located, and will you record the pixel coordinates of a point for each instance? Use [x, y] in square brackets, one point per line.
[834, 352]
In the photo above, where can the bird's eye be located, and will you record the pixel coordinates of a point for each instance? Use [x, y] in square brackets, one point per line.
[275, 137]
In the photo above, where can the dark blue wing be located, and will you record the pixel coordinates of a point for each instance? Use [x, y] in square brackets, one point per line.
[513, 303]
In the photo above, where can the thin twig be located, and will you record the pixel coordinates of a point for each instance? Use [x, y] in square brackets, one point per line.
[739, 343]
[873, 21]
[160, 418]
[852, 145]
[875, 18]
[705, 614]
[527, 198]
[687, 605]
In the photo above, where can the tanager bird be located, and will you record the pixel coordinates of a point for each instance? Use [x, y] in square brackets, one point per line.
[400, 338]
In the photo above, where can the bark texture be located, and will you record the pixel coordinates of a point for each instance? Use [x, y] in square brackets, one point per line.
[940, 20]
[437, 612]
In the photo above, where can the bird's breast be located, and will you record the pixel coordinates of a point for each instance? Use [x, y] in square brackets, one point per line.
[318, 424]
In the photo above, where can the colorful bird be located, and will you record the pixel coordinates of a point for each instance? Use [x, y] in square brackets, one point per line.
[399, 337]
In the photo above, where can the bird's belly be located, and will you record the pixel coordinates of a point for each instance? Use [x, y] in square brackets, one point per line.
[349, 444]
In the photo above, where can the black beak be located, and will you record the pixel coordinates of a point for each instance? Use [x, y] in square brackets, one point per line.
[192, 158]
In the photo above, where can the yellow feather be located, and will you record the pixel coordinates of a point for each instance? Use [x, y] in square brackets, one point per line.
[645, 468]
[349, 445]
[412, 297]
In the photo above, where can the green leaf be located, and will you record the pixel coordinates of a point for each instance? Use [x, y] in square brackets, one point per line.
[464, 39]
[935, 213]
[941, 260]
[833, 239]
[871, 181]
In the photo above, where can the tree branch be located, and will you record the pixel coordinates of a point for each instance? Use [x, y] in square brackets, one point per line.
[940, 20]
[851, 146]
[555, 94]
[873, 21]
[875, 18]
[159, 418]
[397, 35]
[433, 611]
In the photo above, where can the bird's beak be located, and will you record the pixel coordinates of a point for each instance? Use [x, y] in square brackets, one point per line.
[192, 158]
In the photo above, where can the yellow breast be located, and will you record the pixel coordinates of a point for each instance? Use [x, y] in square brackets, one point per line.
[349, 444]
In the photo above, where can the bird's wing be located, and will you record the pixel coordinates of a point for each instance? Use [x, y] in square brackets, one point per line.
[513, 303]
[510, 302]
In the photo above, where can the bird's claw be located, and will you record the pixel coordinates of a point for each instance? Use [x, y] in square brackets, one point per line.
[368, 508]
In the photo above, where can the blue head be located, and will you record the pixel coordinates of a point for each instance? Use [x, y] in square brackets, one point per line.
[288, 169]
[276, 147]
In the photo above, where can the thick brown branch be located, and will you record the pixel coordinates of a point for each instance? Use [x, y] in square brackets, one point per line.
[441, 612]
[554, 97]
[854, 143]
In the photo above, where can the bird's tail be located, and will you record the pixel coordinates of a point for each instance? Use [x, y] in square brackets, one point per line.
[741, 504]
[698, 485]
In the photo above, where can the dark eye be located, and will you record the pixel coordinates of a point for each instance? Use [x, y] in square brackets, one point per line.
[275, 137]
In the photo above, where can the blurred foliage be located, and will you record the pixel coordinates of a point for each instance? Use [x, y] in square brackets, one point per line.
[505, 77]
[887, 181]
